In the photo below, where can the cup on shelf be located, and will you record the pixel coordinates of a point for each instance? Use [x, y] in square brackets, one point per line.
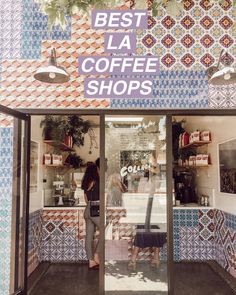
[177, 202]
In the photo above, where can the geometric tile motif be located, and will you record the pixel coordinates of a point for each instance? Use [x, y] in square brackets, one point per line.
[204, 28]
[206, 225]
[188, 4]
[194, 248]
[173, 89]
[226, 41]
[168, 41]
[221, 97]
[168, 60]
[187, 60]
[206, 22]
[207, 60]
[24, 40]
[63, 236]
[6, 139]
[168, 22]
[151, 22]
[226, 22]
[187, 22]
[149, 41]
[225, 238]
[207, 41]
[205, 4]
[187, 41]
[187, 242]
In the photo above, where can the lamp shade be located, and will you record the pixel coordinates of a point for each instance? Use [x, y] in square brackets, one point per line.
[225, 76]
[52, 73]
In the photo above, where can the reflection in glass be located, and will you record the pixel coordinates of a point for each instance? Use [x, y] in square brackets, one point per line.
[136, 205]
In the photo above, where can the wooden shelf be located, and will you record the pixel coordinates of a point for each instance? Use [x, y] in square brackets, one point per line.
[57, 166]
[194, 166]
[60, 145]
[54, 166]
[195, 144]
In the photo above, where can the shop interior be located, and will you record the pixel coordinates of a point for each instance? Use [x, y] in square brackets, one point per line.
[203, 149]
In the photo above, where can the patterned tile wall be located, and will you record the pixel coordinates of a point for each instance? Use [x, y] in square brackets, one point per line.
[193, 234]
[192, 40]
[35, 240]
[6, 165]
[225, 240]
[204, 234]
[187, 45]
[63, 236]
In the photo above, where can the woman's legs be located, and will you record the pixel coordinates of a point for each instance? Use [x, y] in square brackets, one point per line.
[132, 263]
[96, 222]
[156, 257]
[90, 228]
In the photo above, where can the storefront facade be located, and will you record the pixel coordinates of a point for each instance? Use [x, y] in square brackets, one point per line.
[187, 46]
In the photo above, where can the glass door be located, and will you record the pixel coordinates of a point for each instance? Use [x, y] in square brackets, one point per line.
[14, 179]
[135, 205]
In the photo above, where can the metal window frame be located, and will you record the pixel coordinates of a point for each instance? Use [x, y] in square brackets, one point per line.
[169, 115]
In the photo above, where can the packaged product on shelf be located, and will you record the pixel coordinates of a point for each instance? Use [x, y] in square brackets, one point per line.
[185, 138]
[195, 136]
[47, 159]
[55, 159]
[205, 159]
[192, 160]
[199, 160]
[206, 135]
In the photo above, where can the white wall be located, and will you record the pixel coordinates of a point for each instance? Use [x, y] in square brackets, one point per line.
[222, 128]
[83, 151]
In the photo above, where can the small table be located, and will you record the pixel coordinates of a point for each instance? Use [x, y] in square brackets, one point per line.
[154, 236]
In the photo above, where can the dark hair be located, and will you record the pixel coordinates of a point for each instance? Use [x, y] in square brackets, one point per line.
[91, 174]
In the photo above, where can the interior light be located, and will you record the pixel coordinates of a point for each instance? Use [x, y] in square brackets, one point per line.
[123, 119]
[52, 73]
[227, 76]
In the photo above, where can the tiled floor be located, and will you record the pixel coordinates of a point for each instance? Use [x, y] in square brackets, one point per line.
[75, 279]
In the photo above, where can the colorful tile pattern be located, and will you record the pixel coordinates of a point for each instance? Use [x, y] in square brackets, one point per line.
[35, 240]
[206, 225]
[225, 239]
[173, 89]
[190, 240]
[191, 41]
[199, 23]
[6, 170]
[63, 236]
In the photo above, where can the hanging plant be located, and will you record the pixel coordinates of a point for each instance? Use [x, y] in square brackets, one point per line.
[58, 127]
[58, 10]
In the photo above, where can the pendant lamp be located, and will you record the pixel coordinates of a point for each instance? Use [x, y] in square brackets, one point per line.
[223, 76]
[52, 73]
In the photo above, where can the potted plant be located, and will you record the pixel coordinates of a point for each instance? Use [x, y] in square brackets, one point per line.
[68, 129]
[74, 161]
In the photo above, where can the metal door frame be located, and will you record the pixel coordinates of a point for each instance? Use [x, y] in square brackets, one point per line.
[18, 117]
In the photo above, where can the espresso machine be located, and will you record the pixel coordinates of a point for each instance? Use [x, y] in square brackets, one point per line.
[185, 187]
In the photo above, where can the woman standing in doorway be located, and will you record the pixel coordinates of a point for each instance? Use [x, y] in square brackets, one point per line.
[90, 185]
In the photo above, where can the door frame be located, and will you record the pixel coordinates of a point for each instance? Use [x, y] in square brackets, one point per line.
[169, 115]
[19, 117]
